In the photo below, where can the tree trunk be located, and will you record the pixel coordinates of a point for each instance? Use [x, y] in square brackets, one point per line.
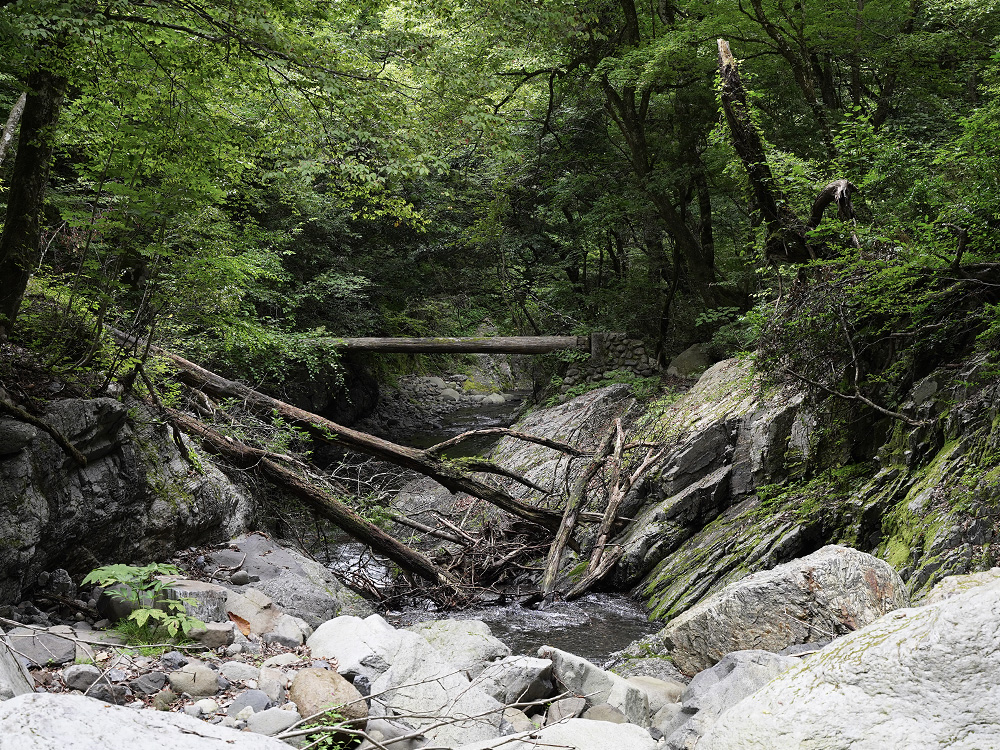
[20, 243]
[12, 122]
[467, 345]
[786, 235]
[361, 529]
[424, 462]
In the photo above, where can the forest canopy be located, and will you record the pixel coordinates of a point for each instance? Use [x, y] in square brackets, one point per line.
[238, 180]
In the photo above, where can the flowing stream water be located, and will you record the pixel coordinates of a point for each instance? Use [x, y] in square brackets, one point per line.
[593, 626]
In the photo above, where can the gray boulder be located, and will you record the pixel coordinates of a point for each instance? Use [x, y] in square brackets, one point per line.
[691, 362]
[714, 691]
[833, 591]
[194, 678]
[579, 676]
[579, 734]
[43, 721]
[565, 708]
[658, 692]
[361, 646]
[255, 699]
[39, 648]
[134, 500]
[916, 678]
[582, 421]
[468, 644]
[422, 685]
[14, 678]
[300, 587]
[517, 679]
[81, 676]
[14, 436]
[272, 721]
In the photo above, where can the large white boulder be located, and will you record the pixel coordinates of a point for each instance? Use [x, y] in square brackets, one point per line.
[361, 646]
[829, 593]
[517, 679]
[579, 676]
[922, 677]
[576, 734]
[43, 721]
[422, 686]
[468, 644]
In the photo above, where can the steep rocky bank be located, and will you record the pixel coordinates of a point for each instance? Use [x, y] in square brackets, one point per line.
[137, 498]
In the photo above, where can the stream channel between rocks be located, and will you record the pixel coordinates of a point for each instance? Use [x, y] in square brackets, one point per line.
[593, 627]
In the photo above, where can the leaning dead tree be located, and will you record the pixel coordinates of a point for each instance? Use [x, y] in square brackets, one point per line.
[787, 234]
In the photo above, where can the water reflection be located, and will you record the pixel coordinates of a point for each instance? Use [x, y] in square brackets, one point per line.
[593, 627]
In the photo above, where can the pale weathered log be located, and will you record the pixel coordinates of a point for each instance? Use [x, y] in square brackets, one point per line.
[439, 448]
[360, 528]
[12, 122]
[577, 497]
[619, 491]
[463, 345]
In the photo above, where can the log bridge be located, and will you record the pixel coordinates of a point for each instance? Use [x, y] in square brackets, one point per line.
[594, 343]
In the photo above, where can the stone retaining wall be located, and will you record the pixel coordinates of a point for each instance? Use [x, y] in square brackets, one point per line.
[610, 352]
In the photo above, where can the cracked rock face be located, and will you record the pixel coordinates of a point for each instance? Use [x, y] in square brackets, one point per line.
[831, 592]
[920, 677]
[135, 499]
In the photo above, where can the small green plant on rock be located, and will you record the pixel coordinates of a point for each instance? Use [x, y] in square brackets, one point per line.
[328, 734]
[143, 587]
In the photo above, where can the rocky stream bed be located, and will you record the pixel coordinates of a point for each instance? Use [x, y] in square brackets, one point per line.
[780, 589]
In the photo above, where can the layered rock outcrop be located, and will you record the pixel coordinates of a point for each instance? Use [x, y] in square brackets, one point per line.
[919, 677]
[136, 499]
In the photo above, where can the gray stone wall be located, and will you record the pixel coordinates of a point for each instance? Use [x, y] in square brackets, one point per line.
[610, 353]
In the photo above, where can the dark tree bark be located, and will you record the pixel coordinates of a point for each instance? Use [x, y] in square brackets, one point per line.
[787, 234]
[20, 243]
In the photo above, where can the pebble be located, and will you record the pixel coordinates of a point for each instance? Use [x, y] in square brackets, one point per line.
[238, 671]
[255, 700]
[271, 721]
[239, 578]
[164, 699]
[80, 676]
[173, 660]
[149, 683]
[207, 706]
[195, 678]
[281, 660]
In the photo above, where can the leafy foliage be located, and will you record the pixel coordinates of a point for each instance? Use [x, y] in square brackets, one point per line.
[144, 587]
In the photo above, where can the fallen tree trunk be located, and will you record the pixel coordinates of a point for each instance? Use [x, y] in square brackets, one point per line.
[424, 462]
[464, 345]
[577, 497]
[361, 529]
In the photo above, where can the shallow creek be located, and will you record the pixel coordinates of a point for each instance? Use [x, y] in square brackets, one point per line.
[593, 627]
